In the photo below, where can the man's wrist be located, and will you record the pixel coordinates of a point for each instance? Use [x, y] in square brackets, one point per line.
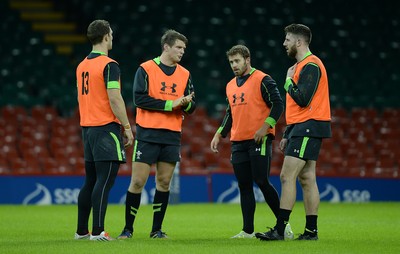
[288, 83]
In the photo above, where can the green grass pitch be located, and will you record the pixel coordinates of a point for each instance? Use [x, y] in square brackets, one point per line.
[203, 228]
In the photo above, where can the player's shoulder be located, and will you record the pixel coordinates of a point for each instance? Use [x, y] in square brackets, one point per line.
[183, 68]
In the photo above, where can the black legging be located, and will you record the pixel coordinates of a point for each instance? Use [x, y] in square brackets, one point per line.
[256, 170]
[100, 177]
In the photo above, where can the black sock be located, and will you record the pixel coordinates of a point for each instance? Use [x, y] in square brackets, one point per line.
[82, 231]
[160, 204]
[132, 204]
[282, 220]
[97, 230]
[311, 225]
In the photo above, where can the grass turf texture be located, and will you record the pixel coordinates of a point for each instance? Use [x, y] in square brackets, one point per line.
[202, 228]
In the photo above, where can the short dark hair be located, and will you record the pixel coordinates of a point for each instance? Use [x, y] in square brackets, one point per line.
[238, 49]
[170, 36]
[96, 31]
[300, 29]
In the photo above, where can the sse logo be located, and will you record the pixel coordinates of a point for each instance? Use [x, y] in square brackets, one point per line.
[42, 196]
[332, 195]
[66, 196]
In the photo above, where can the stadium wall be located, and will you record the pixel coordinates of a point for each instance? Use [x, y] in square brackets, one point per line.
[202, 188]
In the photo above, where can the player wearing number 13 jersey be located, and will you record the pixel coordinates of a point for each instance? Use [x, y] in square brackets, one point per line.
[102, 111]
[92, 72]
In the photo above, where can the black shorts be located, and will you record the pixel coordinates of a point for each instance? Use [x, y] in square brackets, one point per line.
[243, 151]
[305, 148]
[103, 143]
[151, 153]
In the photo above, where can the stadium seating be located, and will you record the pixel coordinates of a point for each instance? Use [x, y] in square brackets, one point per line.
[53, 145]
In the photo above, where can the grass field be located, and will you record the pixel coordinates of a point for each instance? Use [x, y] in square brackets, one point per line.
[202, 228]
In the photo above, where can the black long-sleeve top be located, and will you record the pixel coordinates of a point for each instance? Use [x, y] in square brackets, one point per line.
[271, 96]
[304, 91]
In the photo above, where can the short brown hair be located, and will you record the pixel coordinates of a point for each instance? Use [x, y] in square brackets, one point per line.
[170, 36]
[96, 31]
[300, 29]
[238, 49]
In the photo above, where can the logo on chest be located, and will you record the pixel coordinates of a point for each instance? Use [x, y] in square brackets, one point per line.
[169, 90]
[238, 99]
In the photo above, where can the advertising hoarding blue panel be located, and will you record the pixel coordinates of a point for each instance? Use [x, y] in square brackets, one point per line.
[332, 189]
[214, 187]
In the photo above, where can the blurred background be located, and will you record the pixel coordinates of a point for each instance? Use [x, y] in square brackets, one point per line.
[44, 40]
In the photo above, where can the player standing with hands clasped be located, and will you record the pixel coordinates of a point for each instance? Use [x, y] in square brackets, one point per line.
[308, 118]
[163, 92]
[102, 112]
[254, 107]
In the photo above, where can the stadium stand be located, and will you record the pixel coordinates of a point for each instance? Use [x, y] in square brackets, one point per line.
[39, 124]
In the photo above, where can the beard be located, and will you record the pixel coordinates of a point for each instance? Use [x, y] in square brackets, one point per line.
[292, 52]
[241, 71]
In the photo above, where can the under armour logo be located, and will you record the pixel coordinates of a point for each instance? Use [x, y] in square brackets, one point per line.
[258, 149]
[164, 86]
[138, 153]
[241, 98]
[296, 150]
